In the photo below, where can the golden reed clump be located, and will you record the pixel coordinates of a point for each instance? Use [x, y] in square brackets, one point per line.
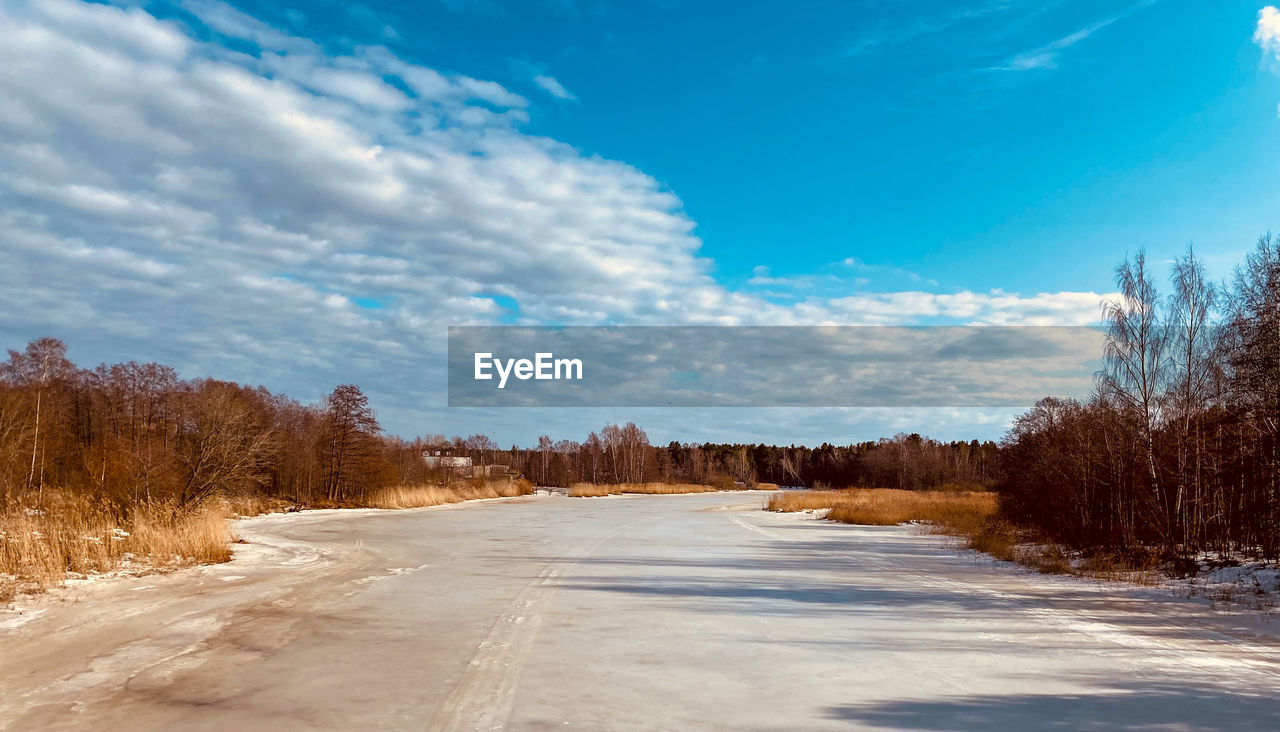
[69, 535]
[958, 512]
[421, 496]
[592, 490]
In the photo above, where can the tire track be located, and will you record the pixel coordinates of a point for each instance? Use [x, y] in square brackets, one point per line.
[484, 697]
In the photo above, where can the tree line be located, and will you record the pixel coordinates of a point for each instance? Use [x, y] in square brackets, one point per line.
[137, 432]
[134, 432]
[1177, 447]
[622, 454]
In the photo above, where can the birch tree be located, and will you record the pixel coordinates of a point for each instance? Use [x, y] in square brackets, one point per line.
[1136, 362]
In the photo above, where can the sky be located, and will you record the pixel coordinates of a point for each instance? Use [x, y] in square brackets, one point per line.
[305, 194]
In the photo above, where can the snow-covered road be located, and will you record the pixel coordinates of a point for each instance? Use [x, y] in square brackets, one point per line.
[636, 612]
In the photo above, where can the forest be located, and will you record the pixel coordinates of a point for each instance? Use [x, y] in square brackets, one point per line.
[136, 432]
[1177, 448]
[907, 461]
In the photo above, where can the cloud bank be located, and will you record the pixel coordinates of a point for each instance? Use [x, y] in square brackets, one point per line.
[237, 201]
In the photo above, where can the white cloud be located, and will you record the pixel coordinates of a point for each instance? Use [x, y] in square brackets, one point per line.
[553, 87]
[228, 21]
[489, 91]
[1267, 34]
[1046, 57]
[837, 279]
[131, 31]
[161, 197]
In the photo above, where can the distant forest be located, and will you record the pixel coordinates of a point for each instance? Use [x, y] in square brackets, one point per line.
[904, 461]
[1176, 449]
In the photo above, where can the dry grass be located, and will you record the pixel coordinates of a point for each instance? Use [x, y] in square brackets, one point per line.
[589, 490]
[973, 517]
[807, 500]
[595, 490]
[592, 490]
[421, 496]
[969, 514]
[664, 488]
[998, 538]
[953, 512]
[73, 536]
[1006, 541]
[242, 506]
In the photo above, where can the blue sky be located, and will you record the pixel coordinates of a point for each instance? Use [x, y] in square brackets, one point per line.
[303, 194]
[945, 139]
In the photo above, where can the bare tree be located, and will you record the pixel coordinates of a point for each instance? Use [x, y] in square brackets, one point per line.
[1136, 362]
[43, 363]
[1255, 372]
[351, 427]
[228, 445]
[545, 444]
[1192, 347]
[594, 448]
[790, 468]
[13, 438]
[483, 445]
[611, 437]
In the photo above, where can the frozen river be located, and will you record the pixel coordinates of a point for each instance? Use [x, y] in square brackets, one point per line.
[636, 612]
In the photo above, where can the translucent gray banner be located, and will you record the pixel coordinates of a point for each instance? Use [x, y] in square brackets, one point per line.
[769, 366]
